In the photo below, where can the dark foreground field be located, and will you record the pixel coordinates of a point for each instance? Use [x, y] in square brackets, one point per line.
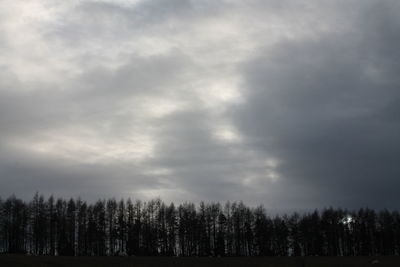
[47, 261]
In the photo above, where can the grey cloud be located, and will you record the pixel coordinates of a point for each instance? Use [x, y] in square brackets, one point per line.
[319, 82]
[96, 95]
[204, 167]
[317, 107]
[26, 174]
[109, 21]
[136, 77]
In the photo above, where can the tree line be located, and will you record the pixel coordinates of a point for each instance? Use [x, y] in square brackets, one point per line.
[109, 227]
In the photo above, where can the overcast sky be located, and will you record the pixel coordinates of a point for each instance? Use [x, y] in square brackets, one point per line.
[292, 104]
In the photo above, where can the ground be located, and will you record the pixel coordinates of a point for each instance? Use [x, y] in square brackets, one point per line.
[48, 261]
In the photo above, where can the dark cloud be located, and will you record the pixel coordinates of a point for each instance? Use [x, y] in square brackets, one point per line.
[326, 107]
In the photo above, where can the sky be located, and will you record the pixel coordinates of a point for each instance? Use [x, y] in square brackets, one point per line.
[289, 104]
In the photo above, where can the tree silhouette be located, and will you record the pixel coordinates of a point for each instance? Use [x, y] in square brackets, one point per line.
[108, 227]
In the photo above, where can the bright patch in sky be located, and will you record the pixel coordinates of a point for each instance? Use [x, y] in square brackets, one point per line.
[85, 146]
[227, 134]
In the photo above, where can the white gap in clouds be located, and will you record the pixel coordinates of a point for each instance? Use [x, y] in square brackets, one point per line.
[168, 194]
[86, 146]
[227, 134]
[146, 108]
[124, 3]
[216, 93]
[158, 171]
[226, 90]
[160, 107]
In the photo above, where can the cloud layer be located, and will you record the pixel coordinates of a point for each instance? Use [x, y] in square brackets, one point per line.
[292, 104]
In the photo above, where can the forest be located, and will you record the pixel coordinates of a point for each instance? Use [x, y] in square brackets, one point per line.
[74, 227]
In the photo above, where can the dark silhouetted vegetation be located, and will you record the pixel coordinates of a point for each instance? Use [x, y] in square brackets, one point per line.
[109, 227]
